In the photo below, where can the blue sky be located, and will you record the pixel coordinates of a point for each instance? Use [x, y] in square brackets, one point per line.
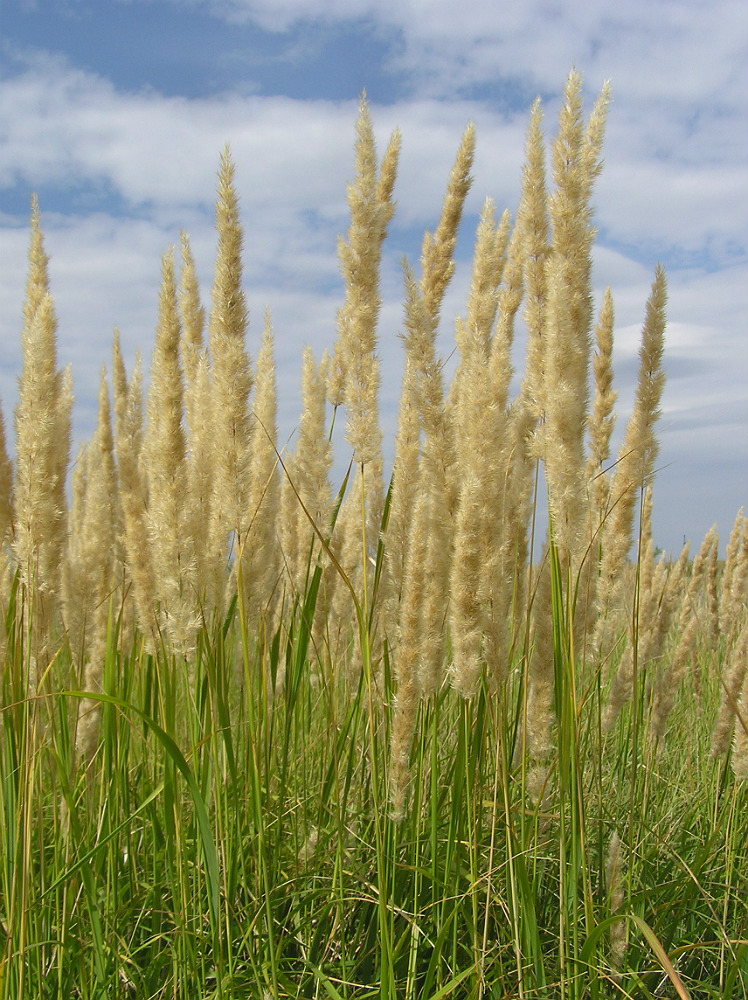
[115, 112]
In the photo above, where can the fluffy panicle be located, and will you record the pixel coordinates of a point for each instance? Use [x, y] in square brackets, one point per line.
[541, 670]
[509, 470]
[533, 222]
[491, 241]
[232, 375]
[439, 480]
[37, 279]
[200, 445]
[43, 418]
[500, 370]
[164, 457]
[637, 454]
[260, 557]
[734, 589]
[645, 557]
[688, 627]
[596, 484]
[439, 456]
[405, 477]
[37, 517]
[90, 564]
[602, 418]
[437, 252]
[732, 680]
[646, 643]
[123, 581]
[61, 460]
[479, 425]
[88, 570]
[473, 335]
[119, 384]
[424, 497]
[565, 408]
[740, 710]
[734, 630]
[210, 562]
[359, 263]
[576, 165]
[198, 412]
[518, 432]
[128, 436]
[406, 663]
[312, 466]
[569, 315]
[712, 598]
[74, 570]
[467, 597]
[310, 472]
[371, 209]
[193, 323]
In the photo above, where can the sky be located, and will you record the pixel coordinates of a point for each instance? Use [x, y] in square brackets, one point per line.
[115, 113]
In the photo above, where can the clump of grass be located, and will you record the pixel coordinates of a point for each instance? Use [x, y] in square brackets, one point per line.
[262, 738]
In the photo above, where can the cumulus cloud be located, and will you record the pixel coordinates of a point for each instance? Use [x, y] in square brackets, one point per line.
[124, 171]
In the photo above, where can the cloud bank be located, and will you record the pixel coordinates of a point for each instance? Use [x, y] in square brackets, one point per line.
[120, 170]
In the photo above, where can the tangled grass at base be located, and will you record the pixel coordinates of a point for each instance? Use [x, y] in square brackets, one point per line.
[266, 736]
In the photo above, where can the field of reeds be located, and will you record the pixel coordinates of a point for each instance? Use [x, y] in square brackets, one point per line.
[267, 735]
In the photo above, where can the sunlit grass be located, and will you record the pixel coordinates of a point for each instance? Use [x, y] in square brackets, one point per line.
[236, 840]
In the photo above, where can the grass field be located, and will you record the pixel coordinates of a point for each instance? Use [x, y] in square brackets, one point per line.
[263, 735]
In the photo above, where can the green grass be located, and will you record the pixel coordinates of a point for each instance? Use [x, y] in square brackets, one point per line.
[230, 839]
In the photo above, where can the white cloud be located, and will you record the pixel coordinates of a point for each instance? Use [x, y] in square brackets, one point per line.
[143, 165]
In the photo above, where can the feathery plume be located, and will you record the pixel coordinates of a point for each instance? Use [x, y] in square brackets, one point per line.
[740, 712]
[260, 560]
[638, 452]
[602, 418]
[569, 314]
[732, 680]
[467, 601]
[119, 383]
[734, 628]
[479, 414]
[312, 463]
[192, 316]
[657, 607]
[670, 678]
[128, 437]
[734, 589]
[37, 517]
[42, 423]
[541, 671]
[232, 381]
[164, 461]
[406, 663]
[508, 470]
[533, 222]
[90, 564]
[371, 209]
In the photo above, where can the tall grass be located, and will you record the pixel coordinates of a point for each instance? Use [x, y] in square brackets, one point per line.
[262, 737]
